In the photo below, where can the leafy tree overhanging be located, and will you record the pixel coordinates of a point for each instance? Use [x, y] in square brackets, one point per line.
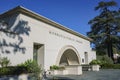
[105, 28]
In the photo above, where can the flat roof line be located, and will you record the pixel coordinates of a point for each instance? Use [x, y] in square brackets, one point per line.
[20, 9]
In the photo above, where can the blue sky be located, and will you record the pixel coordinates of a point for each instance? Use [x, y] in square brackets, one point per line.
[73, 14]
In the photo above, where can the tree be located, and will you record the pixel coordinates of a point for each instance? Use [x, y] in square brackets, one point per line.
[105, 28]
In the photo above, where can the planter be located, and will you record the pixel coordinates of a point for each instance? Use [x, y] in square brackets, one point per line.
[58, 72]
[69, 70]
[74, 70]
[23, 77]
[95, 67]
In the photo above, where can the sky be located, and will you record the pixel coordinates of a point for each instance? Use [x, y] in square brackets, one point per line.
[73, 14]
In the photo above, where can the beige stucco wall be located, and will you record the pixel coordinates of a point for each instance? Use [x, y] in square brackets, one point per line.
[52, 38]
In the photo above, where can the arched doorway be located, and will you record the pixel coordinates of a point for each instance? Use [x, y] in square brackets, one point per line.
[70, 59]
[68, 56]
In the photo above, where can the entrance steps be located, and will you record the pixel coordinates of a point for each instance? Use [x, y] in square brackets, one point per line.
[86, 67]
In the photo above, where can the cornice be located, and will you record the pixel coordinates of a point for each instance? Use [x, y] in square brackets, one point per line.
[34, 15]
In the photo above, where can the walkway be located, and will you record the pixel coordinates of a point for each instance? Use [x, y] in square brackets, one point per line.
[106, 74]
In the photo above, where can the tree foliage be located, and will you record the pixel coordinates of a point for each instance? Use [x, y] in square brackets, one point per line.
[105, 28]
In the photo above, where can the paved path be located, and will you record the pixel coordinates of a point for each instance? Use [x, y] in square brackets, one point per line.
[106, 74]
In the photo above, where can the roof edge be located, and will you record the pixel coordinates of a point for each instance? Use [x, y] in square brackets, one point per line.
[20, 9]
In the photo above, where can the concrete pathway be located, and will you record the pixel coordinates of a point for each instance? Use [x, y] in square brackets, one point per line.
[105, 74]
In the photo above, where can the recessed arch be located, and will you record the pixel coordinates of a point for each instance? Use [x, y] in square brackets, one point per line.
[68, 55]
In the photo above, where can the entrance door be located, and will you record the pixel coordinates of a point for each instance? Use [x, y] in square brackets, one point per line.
[38, 53]
[86, 57]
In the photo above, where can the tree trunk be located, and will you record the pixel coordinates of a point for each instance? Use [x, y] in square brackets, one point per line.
[109, 44]
[109, 49]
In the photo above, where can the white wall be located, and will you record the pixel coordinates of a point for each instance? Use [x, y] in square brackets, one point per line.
[53, 39]
[7, 42]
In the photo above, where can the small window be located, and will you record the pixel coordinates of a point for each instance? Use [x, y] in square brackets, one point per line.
[82, 60]
[86, 57]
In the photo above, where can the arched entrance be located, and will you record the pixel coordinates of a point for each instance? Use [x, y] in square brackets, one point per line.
[70, 59]
[68, 56]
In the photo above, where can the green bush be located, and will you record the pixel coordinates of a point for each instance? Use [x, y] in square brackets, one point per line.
[4, 71]
[28, 67]
[12, 70]
[116, 66]
[55, 67]
[110, 66]
[105, 59]
[95, 62]
[4, 62]
[32, 67]
[107, 62]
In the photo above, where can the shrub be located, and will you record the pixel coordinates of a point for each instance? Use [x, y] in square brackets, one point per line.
[107, 63]
[4, 62]
[28, 67]
[95, 62]
[116, 66]
[110, 66]
[105, 59]
[12, 70]
[4, 71]
[55, 67]
[32, 67]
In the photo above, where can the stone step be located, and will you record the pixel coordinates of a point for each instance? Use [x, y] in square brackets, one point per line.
[86, 67]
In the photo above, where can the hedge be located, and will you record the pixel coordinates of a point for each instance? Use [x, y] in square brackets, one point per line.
[110, 66]
[13, 70]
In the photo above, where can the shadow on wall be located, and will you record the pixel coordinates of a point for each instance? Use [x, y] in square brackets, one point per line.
[12, 42]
